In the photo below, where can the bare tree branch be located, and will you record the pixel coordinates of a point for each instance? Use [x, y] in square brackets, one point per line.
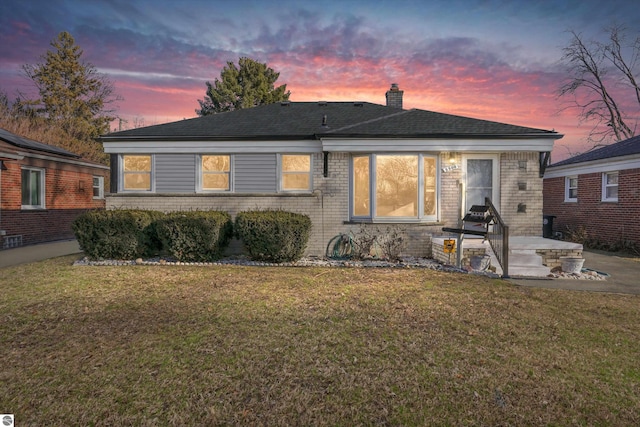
[595, 71]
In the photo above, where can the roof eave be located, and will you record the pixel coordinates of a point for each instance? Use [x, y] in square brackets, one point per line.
[206, 138]
[440, 136]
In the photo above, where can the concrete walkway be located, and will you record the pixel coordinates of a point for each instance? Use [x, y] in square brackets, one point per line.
[39, 252]
[624, 275]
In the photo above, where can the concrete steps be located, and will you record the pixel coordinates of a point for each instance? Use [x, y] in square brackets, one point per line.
[526, 263]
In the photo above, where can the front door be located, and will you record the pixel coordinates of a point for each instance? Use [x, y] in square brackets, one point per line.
[481, 179]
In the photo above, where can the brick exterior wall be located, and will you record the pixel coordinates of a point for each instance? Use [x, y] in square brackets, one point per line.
[68, 192]
[328, 205]
[610, 223]
[521, 193]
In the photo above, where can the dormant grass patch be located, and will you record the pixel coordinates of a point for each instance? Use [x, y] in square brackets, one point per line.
[231, 345]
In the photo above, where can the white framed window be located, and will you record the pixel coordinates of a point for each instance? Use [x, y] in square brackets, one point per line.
[98, 187]
[571, 189]
[215, 172]
[137, 172]
[33, 188]
[394, 186]
[295, 172]
[610, 187]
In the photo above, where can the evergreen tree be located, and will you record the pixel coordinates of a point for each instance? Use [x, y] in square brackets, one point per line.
[247, 85]
[72, 93]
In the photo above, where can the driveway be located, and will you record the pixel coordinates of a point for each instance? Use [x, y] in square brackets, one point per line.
[39, 252]
[624, 275]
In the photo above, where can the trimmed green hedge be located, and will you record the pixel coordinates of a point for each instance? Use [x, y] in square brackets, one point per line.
[198, 236]
[130, 234]
[273, 235]
[117, 234]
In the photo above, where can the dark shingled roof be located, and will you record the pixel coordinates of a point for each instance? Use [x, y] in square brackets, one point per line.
[30, 144]
[623, 148]
[306, 120]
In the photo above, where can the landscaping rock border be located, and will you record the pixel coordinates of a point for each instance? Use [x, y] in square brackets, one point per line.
[405, 262]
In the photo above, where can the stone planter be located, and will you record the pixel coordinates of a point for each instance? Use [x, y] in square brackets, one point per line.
[480, 262]
[571, 264]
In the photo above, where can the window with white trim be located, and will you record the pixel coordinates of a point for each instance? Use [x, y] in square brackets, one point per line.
[98, 187]
[136, 172]
[215, 172]
[610, 187]
[295, 172]
[571, 189]
[394, 186]
[33, 192]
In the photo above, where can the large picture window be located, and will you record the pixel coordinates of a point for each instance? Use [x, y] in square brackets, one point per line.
[216, 172]
[32, 188]
[136, 172]
[387, 186]
[296, 172]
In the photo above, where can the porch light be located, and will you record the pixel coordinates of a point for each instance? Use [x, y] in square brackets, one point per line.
[452, 158]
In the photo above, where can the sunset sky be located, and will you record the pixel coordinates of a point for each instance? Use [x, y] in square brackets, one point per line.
[494, 60]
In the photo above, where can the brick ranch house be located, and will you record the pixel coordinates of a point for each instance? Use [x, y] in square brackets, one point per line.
[43, 188]
[597, 193]
[345, 164]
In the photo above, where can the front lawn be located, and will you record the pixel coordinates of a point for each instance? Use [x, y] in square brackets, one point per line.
[231, 345]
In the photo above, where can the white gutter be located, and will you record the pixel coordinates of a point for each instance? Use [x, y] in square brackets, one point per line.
[411, 145]
[610, 164]
[347, 145]
[200, 147]
[63, 160]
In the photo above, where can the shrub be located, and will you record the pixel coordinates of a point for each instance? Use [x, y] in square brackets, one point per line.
[116, 234]
[372, 242]
[195, 236]
[273, 235]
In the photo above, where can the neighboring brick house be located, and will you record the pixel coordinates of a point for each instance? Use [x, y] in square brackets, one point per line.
[345, 164]
[43, 188]
[597, 193]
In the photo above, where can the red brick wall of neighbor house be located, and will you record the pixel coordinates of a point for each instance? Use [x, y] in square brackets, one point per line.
[607, 222]
[65, 199]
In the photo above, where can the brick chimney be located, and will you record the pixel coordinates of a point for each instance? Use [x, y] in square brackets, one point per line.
[394, 96]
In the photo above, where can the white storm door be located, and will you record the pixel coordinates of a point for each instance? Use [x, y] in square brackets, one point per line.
[481, 179]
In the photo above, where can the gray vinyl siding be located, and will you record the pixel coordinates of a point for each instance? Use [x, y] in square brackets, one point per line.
[255, 173]
[175, 173]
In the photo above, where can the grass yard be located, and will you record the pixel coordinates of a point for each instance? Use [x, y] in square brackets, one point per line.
[276, 346]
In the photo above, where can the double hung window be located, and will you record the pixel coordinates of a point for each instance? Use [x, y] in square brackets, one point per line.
[610, 187]
[295, 172]
[216, 172]
[98, 187]
[571, 189]
[394, 186]
[136, 172]
[33, 194]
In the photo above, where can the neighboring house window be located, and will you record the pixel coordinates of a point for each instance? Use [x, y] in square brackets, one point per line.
[296, 172]
[98, 187]
[571, 189]
[216, 172]
[33, 194]
[610, 187]
[136, 174]
[386, 186]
